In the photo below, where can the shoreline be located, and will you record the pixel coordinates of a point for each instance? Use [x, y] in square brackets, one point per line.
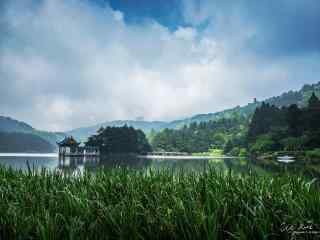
[186, 157]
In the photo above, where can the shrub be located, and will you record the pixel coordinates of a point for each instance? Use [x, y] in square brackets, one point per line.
[313, 154]
[264, 143]
[215, 152]
[293, 143]
[235, 151]
[243, 152]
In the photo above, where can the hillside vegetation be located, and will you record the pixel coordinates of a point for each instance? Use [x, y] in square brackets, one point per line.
[201, 137]
[24, 142]
[270, 128]
[287, 128]
[10, 125]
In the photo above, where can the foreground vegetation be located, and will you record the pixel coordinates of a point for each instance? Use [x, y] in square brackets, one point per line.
[128, 204]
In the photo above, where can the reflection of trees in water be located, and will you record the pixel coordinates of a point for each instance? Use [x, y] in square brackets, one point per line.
[179, 164]
[237, 165]
[124, 160]
[271, 166]
[299, 167]
[242, 166]
[189, 165]
[72, 163]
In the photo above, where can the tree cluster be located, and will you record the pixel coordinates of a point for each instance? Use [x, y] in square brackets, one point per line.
[120, 140]
[200, 137]
[288, 128]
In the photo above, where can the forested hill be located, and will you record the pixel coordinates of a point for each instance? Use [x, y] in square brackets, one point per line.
[292, 97]
[201, 137]
[286, 99]
[23, 142]
[10, 125]
[289, 128]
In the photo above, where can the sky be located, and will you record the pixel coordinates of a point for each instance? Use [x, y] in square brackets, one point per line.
[71, 63]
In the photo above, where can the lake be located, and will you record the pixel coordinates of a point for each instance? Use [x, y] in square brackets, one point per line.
[51, 161]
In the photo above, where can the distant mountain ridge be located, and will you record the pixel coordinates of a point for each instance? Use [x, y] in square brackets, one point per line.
[146, 126]
[18, 142]
[292, 97]
[10, 125]
[300, 98]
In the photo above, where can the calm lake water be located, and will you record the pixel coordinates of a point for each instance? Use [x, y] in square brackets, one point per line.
[79, 164]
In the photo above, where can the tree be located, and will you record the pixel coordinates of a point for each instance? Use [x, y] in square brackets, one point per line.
[290, 128]
[228, 147]
[293, 143]
[314, 102]
[293, 118]
[312, 116]
[264, 143]
[120, 140]
[264, 119]
[200, 137]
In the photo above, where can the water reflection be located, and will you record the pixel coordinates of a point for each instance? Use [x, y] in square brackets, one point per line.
[34, 161]
[91, 163]
[77, 164]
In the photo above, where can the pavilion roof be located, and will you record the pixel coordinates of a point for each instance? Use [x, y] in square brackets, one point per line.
[68, 142]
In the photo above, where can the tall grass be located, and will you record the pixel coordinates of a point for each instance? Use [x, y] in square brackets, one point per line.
[132, 204]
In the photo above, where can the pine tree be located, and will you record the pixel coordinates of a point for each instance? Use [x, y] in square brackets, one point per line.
[314, 102]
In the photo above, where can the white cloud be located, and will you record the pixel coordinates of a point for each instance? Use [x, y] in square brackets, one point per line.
[118, 15]
[67, 64]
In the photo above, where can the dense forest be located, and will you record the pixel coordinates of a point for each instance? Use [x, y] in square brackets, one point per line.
[120, 140]
[271, 128]
[201, 137]
[287, 128]
[24, 142]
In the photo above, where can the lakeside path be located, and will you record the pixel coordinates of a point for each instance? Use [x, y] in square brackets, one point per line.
[185, 157]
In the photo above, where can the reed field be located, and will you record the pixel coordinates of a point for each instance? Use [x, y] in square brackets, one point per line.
[122, 203]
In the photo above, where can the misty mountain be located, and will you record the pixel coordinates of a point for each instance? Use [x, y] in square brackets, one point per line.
[146, 126]
[14, 142]
[291, 97]
[10, 125]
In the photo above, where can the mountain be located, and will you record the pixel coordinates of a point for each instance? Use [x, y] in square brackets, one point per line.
[146, 126]
[24, 142]
[10, 125]
[292, 97]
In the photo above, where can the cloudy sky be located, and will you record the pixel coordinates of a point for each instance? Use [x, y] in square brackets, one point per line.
[68, 63]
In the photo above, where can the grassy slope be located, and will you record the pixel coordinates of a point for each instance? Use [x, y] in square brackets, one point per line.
[127, 204]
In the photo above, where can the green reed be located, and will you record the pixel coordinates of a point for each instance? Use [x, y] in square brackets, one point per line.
[131, 204]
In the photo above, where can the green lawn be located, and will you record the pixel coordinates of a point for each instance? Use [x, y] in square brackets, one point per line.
[129, 204]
